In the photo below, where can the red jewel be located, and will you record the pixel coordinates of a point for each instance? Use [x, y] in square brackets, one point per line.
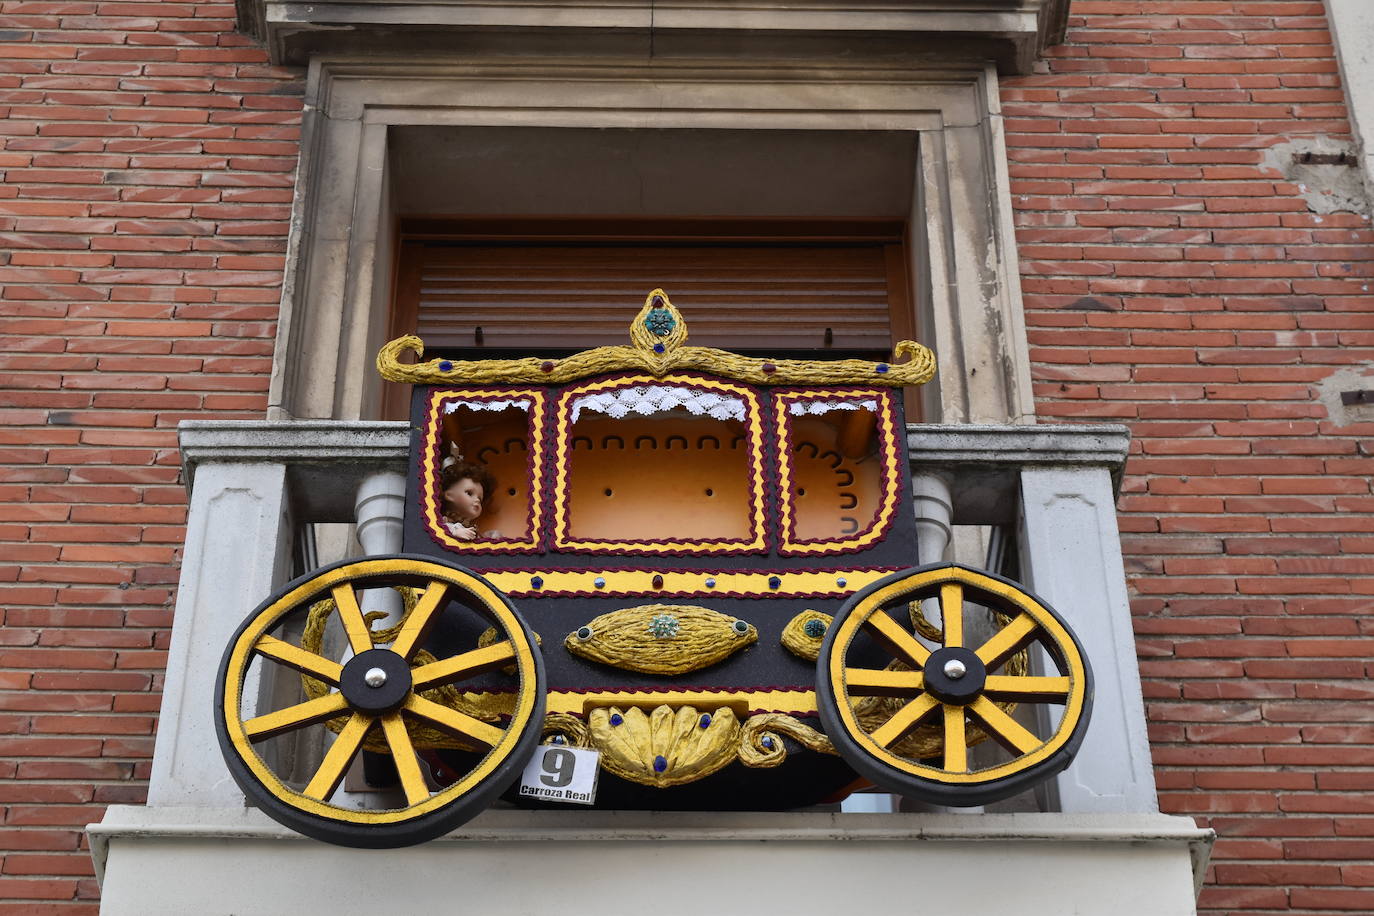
[546, 366]
[769, 368]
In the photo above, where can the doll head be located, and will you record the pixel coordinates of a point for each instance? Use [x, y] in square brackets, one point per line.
[464, 487]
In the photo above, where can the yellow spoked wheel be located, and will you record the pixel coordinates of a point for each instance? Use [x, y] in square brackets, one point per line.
[292, 718]
[944, 694]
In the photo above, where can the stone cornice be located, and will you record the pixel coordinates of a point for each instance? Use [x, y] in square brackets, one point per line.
[1088, 445]
[327, 459]
[1011, 32]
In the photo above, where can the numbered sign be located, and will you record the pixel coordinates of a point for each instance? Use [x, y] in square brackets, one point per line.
[562, 774]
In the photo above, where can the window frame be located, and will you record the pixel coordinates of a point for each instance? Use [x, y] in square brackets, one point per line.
[892, 487]
[760, 445]
[335, 302]
[431, 455]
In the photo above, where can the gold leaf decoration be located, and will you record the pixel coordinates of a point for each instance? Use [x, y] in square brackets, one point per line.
[803, 637]
[665, 747]
[661, 638]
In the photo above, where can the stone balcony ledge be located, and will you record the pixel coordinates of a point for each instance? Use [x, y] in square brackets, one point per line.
[611, 863]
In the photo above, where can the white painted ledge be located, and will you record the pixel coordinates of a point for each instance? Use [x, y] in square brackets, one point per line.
[213, 860]
[1352, 34]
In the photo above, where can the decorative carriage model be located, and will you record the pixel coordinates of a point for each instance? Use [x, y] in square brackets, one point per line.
[709, 555]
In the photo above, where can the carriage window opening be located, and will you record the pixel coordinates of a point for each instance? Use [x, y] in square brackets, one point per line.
[492, 436]
[835, 487]
[657, 463]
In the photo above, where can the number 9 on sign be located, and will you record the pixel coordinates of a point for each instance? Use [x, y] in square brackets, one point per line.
[561, 774]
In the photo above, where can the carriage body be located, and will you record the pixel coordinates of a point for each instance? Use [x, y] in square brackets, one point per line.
[661, 535]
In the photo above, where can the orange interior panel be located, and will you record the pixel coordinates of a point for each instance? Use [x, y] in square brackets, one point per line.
[674, 476]
[836, 474]
[500, 442]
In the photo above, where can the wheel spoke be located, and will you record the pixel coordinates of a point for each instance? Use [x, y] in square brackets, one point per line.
[905, 720]
[403, 753]
[952, 614]
[325, 669]
[458, 723]
[1006, 641]
[419, 620]
[352, 618]
[340, 755]
[467, 664]
[1008, 732]
[260, 728]
[956, 740]
[1027, 689]
[882, 682]
[897, 640]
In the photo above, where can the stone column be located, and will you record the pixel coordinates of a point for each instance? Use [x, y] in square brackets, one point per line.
[934, 506]
[380, 507]
[238, 542]
[1071, 553]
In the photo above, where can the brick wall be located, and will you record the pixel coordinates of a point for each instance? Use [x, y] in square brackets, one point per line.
[1178, 282]
[147, 155]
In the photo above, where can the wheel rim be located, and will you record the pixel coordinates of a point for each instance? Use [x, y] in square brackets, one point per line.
[952, 686]
[350, 690]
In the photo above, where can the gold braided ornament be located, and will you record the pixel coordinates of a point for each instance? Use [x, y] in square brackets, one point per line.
[644, 355]
[573, 729]
[661, 638]
[800, 643]
[773, 725]
[489, 707]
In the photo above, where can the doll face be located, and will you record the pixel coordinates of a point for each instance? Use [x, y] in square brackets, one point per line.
[463, 498]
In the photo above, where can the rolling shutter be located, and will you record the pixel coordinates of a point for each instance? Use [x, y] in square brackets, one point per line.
[571, 296]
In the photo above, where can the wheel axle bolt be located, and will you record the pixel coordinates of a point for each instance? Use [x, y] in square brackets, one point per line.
[954, 669]
[376, 677]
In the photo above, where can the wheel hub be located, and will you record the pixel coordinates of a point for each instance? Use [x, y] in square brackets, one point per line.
[955, 675]
[376, 681]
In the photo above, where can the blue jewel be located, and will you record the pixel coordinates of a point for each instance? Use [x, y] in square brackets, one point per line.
[815, 628]
[774, 582]
[659, 348]
[558, 739]
[445, 366]
[705, 720]
[536, 582]
[841, 581]
[660, 763]
[710, 583]
[599, 582]
[767, 742]
[881, 367]
[616, 718]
